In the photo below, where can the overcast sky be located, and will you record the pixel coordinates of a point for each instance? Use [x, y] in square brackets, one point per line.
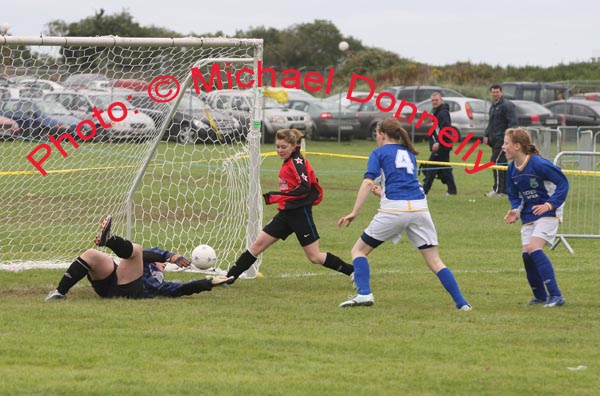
[507, 32]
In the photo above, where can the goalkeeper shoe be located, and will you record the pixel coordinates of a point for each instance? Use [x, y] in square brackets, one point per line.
[55, 295]
[104, 233]
[221, 280]
[364, 300]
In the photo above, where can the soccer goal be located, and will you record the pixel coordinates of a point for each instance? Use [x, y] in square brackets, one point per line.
[112, 125]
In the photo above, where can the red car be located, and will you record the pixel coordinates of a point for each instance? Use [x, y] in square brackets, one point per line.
[9, 129]
[595, 96]
[135, 85]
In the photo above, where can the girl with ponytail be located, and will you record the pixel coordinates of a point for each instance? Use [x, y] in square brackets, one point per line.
[536, 190]
[403, 209]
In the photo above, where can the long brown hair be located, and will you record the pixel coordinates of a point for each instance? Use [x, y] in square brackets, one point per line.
[393, 129]
[521, 136]
[291, 136]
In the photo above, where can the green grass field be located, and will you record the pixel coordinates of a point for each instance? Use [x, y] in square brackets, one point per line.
[285, 335]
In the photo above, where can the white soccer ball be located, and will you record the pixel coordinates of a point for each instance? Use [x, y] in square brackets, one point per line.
[204, 257]
[343, 45]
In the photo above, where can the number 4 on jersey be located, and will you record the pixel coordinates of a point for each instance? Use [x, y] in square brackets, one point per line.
[403, 161]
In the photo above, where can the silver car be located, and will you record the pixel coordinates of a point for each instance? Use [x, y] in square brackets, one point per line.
[469, 115]
[136, 124]
[275, 116]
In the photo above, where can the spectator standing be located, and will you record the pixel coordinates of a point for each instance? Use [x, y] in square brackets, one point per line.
[439, 152]
[502, 117]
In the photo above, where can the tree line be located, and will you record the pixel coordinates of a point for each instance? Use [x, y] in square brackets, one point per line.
[313, 46]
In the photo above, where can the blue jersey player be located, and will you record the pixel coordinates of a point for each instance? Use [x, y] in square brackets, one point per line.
[403, 209]
[140, 273]
[537, 190]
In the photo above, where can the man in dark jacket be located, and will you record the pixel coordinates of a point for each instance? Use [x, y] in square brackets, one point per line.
[439, 152]
[138, 275]
[502, 117]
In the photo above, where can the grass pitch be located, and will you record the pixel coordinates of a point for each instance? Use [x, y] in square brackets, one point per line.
[285, 335]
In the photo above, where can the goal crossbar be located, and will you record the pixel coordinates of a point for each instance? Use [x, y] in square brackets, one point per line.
[113, 41]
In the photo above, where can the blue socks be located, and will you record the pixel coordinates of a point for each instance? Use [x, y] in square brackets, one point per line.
[362, 275]
[449, 282]
[546, 272]
[533, 277]
[362, 278]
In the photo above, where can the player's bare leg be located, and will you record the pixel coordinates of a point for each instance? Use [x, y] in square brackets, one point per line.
[328, 260]
[446, 277]
[131, 266]
[101, 264]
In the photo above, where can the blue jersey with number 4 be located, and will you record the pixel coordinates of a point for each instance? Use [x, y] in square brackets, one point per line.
[397, 168]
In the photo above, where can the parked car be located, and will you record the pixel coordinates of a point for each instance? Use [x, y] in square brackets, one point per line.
[18, 92]
[275, 116]
[539, 92]
[327, 118]
[368, 115]
[86, 81]
[419, 93]
[594, 96]
[534, 114]
[9, 128]
[40, 118]
[82, 103]
[577, 112]
[294, 93]
[132, 84]
[190, 123]
[43, 85]
[340, 98]
[468, 115]
[228, 126]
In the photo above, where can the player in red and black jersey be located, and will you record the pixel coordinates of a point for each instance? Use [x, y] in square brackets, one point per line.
[298, 191]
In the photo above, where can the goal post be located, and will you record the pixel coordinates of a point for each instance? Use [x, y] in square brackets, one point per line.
[172, 171]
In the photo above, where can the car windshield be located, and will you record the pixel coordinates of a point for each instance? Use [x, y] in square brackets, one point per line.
[527, 108]
[144, 102]
[594, 105]
[83, 79]
[384, 103]
[479, 106]
[191, 102]
[328, 105]
[104, 101]
[426, 105]
[354, 106]
[51, 107]
[271, 103]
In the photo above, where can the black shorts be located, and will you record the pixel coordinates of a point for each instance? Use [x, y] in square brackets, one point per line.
[108, 287]
[298, 221]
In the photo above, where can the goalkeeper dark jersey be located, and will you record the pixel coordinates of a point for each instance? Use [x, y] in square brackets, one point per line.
[298, 185]
[154, 282]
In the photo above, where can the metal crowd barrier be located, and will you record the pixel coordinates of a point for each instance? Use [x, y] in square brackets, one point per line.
[581, 211]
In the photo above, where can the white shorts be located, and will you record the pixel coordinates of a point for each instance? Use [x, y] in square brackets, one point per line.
[419, 227]
[544, 228]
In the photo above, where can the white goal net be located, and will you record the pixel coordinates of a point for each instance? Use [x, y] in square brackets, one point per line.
[97, 126]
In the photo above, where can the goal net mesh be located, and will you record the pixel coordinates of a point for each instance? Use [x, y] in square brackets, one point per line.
[173, 172]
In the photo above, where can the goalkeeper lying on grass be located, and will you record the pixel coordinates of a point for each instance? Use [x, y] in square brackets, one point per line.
[140, 273]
